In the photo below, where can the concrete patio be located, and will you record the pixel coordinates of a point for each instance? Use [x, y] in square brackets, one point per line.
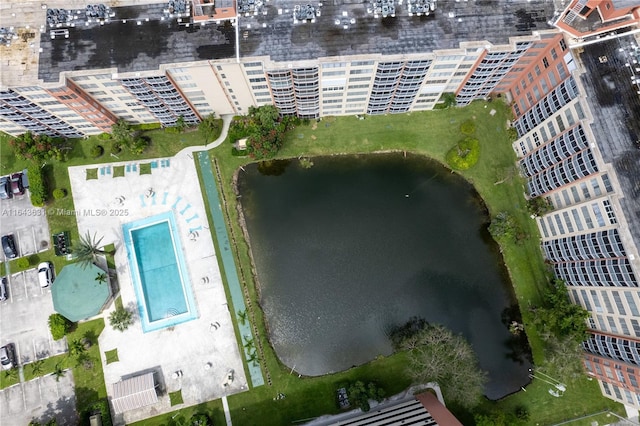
[204, 350]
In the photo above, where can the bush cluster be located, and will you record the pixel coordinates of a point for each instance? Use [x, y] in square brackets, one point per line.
[59, 193]
[464, 155]
[59, 326]
[96, 151]
[37, 185]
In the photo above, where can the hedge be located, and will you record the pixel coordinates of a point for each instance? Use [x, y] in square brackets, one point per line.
[59, 326]
[146, 126]
[37, 185]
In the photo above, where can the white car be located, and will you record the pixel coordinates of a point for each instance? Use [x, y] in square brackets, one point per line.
[45, 274]
[6, 357]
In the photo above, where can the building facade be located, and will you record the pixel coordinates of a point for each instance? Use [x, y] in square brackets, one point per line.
[570, 75]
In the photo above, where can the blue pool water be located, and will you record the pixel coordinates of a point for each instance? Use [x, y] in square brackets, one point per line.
[158, 272]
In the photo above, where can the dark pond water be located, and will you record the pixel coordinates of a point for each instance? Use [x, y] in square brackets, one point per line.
[354, 246]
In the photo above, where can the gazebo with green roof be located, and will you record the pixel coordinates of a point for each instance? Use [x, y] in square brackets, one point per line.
[77, 294]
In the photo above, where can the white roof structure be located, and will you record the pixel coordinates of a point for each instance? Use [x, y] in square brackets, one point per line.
[133, 393]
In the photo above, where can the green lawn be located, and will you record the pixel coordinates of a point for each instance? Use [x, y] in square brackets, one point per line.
[431, 134]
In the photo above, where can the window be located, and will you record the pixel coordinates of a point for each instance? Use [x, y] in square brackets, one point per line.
[563, 45]
[537, 70]
[545, 62]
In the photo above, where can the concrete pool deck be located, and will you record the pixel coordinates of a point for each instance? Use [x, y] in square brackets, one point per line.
[204, 349]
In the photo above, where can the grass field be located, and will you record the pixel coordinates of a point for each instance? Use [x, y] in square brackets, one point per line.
[431, 134]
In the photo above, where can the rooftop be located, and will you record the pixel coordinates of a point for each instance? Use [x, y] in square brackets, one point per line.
[451, 23]
[141, 36]
[612, 83]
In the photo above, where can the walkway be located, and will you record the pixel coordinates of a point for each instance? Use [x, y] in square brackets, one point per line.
[226, 122]
[229, 266]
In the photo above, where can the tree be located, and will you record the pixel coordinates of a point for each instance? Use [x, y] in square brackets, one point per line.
[101, 277]
[77, 348]
[448, 99]
[504, 227]
[210, 127]
[36, 367]
[121, 132]
[58, 372]
[440, 356]
[120, 319]
[180, 124]
[539, 206]
[87, 251]
[559, 316]
[359, 394]
[59, 326]
[37, 148]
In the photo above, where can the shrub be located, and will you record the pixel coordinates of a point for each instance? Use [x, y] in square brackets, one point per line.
[200, 419]
[468, 127]
[59, 193]
[101, 406]
[172, 130]
[59, 326]
[116, 147]
[464, 155]
[22, 263]
[96, 151]
[37, 187]
[539, 206]
[146, 126]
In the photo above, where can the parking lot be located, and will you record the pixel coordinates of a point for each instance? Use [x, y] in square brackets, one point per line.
[24, 318]
[40, 399]
[28, 224]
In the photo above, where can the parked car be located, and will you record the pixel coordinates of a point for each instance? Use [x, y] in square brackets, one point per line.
[45, 274]
[3, 289]
[16, 184]
[9, 246]
[5, 188]
[7, 357]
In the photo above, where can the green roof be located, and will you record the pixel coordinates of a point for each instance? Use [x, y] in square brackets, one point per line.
[77, 294]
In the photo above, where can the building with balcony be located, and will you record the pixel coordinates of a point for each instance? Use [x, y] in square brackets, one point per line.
[569, 69]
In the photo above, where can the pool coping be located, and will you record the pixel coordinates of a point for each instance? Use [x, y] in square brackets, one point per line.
[192, 311]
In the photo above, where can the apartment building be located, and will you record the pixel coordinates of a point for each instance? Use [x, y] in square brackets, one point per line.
[577, 109]
[570, 73]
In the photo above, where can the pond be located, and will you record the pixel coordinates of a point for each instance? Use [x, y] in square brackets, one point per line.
[353, 246]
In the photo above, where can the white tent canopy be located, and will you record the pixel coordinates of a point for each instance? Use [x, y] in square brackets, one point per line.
[133, 393]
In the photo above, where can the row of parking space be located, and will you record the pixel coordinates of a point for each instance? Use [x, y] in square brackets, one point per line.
[28, 225]
[24, 318]
[24, 285]
[41, 399]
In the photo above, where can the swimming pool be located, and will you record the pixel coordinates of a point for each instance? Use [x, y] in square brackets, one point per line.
[158, 272]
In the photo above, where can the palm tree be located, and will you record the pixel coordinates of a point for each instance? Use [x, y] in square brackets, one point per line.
[58, 371]
[242, 316]
[36, 367]
[101, 277]
[77, 348]
[11, 373]
[87, 250]
[120, 319]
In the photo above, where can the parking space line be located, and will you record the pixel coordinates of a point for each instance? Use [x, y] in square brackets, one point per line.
[17, 348]
[24, 396]
[24, 281]
[33, 234]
